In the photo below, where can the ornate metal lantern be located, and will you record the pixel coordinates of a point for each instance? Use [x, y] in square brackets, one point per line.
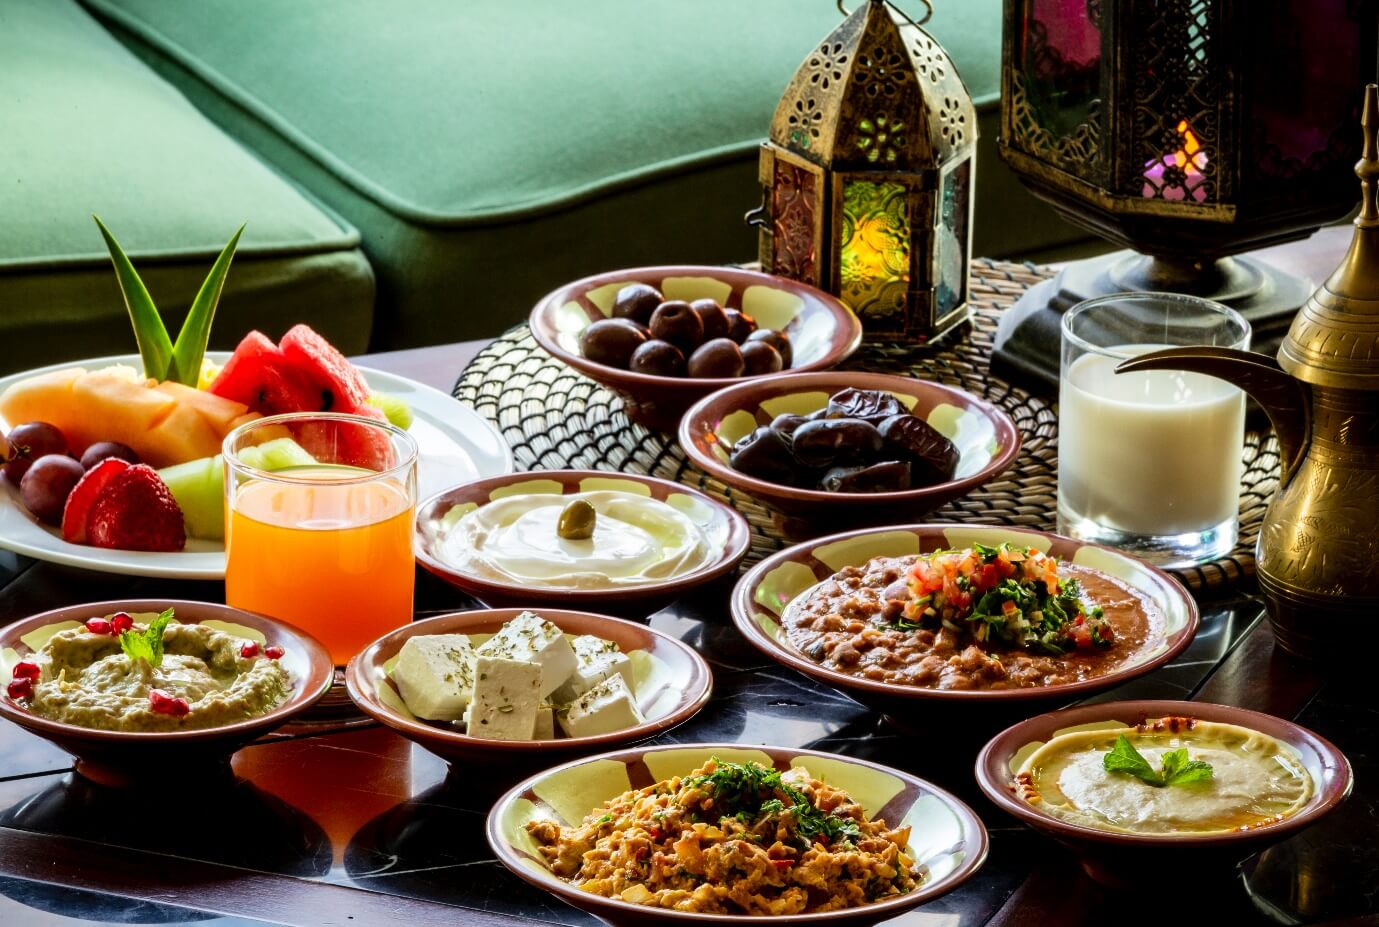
[867, 176]
[1187, 130]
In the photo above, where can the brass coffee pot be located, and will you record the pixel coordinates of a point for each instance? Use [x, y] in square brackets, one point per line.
[1318, 553]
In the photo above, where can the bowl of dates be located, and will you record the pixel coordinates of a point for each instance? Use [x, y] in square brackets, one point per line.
[844, 449]
[661, 338]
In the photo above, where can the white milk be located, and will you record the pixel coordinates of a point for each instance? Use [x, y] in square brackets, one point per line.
[1151, 453]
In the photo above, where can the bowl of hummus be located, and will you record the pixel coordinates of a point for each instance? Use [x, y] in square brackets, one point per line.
[1135, 786]
[579, 536]
[134, 688]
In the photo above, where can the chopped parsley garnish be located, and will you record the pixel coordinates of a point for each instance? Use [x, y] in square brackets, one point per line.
[1177, 768]
[146, 645]
[752, 788]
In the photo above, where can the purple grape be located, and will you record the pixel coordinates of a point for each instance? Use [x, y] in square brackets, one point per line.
[47, 485]
[32, 441]
[104, 450]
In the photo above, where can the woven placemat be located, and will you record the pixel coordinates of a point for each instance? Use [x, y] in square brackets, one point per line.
[553, 418]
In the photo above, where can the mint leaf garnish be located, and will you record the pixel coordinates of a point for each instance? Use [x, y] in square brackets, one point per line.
[1177, 768]
[146, 645]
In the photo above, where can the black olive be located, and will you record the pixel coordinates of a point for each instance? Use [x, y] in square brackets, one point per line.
[676, 322]
[835, 441]
[720, 357]
[934, 457]
[760, 358]
[611, 341]
[874, 405]
[714, 319]
[776, 339]
[637, 301]
[658, 358]
[740, 325]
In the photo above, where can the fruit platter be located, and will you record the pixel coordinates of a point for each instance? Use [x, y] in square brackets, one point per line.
[115, 463]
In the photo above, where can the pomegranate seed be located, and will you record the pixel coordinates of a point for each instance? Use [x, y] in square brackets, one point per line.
[26, 670]
[20, 688]
[98, 626]
[273, 651]
[249, 649]
[121, 622]
[179, 707]
[160, 701]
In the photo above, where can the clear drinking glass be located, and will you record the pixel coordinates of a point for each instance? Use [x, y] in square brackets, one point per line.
[318, 528]
[1150, 461]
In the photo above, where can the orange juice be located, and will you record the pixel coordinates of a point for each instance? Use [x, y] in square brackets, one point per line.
[334, 559]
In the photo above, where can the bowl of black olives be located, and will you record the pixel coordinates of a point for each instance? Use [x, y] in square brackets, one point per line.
[661, 338]
[845, 449]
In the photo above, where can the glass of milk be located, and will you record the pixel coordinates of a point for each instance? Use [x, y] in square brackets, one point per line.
[1149, 462]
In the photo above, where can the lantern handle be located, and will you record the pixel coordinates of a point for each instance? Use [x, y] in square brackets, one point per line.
[928, 11]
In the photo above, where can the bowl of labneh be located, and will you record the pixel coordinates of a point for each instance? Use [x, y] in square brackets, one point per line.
[969, 616]
[1136, 786]
[662, 337]
[515, 685]
[139, 687]
[845, 449]
[567, 537]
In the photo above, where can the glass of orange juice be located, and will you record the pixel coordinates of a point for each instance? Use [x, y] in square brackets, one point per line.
[318, 527]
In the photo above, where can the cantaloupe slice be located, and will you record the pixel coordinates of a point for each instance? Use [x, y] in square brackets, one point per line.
[163, 426]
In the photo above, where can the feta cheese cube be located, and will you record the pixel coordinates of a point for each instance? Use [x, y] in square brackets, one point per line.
[506, 698]
[595, 660]
[529, 638]
[545, 723]
[434, 674]
[607, 707]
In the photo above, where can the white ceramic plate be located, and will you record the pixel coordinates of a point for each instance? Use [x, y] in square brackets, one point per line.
[456, 445]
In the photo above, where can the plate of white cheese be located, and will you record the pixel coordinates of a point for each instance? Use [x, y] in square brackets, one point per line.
[505, 679]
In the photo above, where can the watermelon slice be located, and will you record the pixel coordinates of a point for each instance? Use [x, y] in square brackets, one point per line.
[347, 443]
[258, 376]
[341, 385]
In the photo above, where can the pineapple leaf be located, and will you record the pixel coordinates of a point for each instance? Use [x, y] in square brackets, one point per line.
[154, 345]
[196, 330]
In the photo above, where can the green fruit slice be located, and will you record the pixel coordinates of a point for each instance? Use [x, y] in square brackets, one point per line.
[199, 488]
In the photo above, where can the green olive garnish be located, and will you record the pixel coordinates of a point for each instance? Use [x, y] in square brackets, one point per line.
[577, 521]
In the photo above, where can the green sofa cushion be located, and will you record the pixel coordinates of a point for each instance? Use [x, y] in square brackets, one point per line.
[490, 151]
[90, 129]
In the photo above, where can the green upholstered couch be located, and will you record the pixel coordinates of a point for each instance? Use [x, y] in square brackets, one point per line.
[484, 151]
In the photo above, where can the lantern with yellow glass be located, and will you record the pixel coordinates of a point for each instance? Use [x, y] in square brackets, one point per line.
[868, 176]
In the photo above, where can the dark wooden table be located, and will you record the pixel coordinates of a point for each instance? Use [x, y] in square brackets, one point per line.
[355, 826]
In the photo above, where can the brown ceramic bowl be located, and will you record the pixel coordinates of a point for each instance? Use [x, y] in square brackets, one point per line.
[823, 331]
[986, 438]
[946, 837]
[118, 758]
[1122, 860]
[674, 684]
[727, 531]
[762, 595]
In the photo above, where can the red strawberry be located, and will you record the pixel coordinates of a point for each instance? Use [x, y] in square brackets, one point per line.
[259, 376]
[77, 513]
[342, 386]
[135, 511]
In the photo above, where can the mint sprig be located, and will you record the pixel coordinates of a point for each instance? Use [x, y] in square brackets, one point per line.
[163, 359]
[146, 645]
[1177, 768]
